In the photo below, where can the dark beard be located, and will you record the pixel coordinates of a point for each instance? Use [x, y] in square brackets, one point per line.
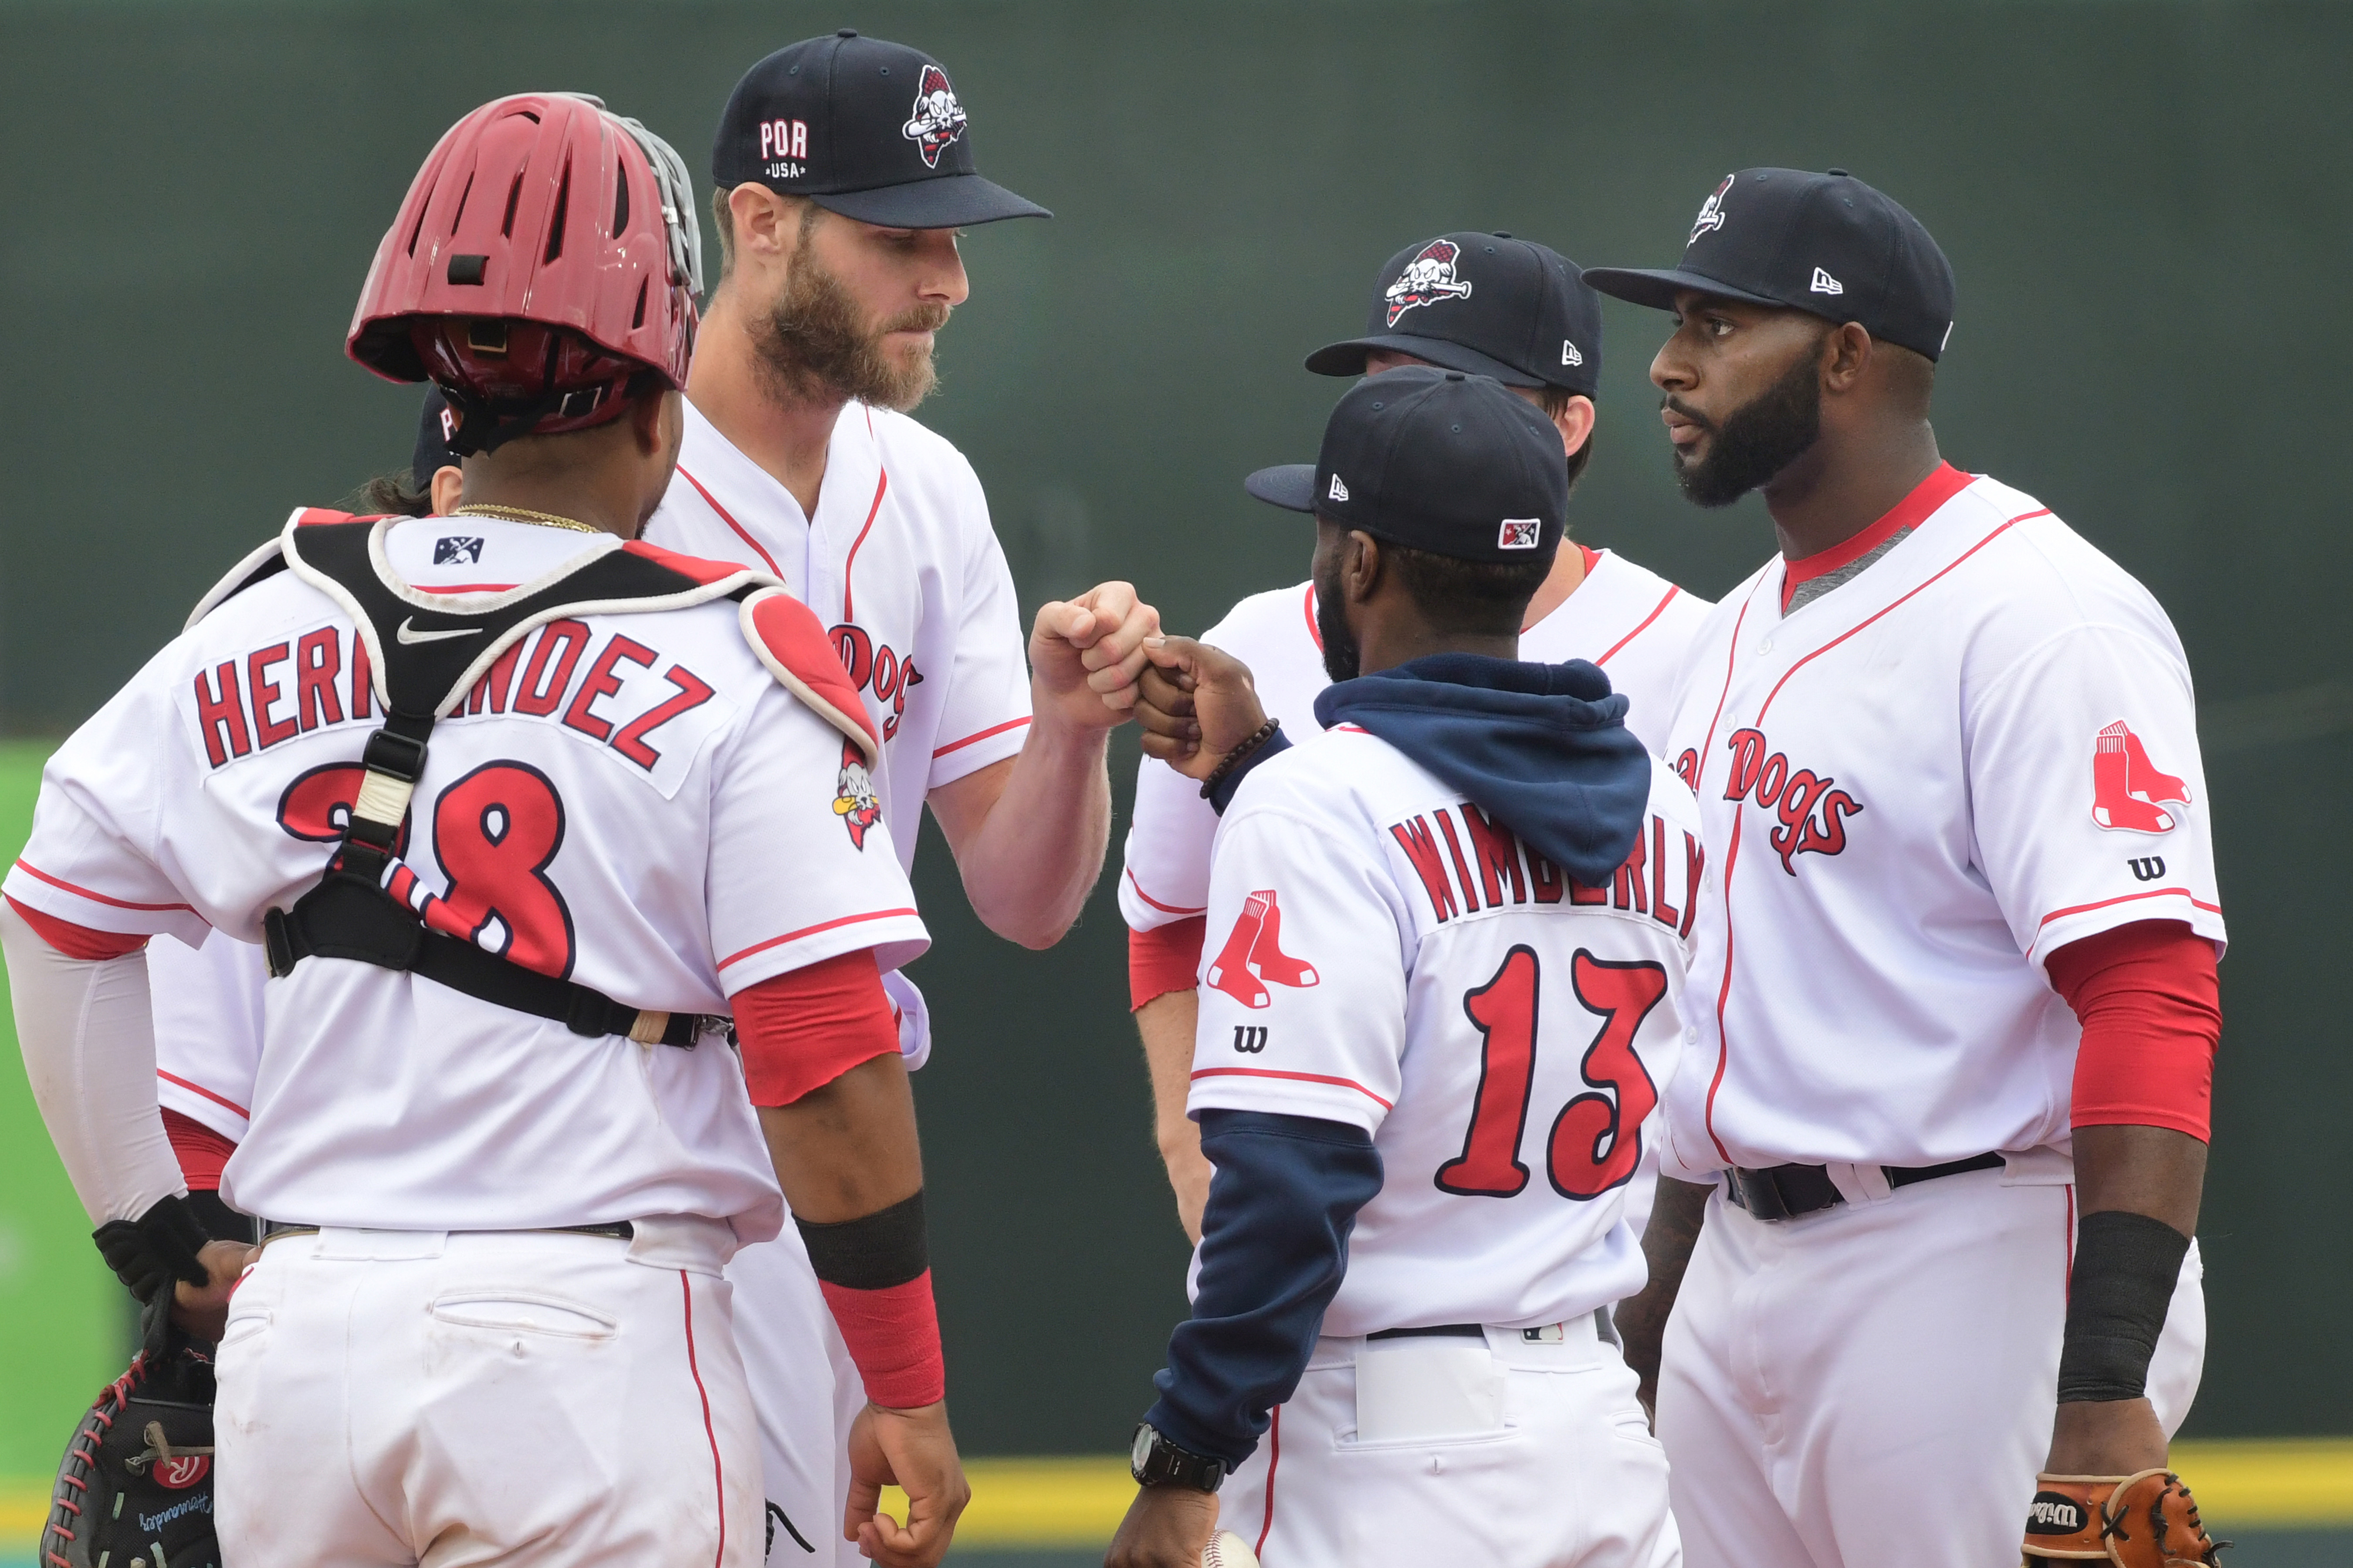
[1757, 441]
[1341, 659]
[812, 347]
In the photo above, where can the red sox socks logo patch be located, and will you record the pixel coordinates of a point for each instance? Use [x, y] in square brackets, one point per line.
[2126, 786]
[937, 118]
[1812, 811]
[1253, 953]
[854, 800]
[1427, 278]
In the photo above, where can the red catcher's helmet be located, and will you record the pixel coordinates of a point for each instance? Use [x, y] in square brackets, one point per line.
[544, 257]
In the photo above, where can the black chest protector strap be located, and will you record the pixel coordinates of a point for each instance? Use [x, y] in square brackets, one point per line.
[429, 657]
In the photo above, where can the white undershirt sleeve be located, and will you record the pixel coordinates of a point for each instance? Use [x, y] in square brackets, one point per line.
[88, 1032]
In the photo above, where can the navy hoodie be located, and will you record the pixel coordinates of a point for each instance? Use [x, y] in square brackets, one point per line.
[1542, 748]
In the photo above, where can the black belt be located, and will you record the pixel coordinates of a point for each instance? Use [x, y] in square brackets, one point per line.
[1436, 1332]
[1786, 1192]
[618, 1230]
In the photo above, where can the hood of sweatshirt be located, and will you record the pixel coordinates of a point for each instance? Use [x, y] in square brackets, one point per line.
[1543, 747]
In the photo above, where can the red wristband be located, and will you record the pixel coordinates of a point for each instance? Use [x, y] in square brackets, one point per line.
[1164, 959]
[893, 1337]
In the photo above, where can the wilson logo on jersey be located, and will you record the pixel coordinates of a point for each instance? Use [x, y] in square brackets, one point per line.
[1813, 810]
[854, 800]
[1486, 859]
[2126, 786]
[1254, 958]
[1427, 278]
[879, 668]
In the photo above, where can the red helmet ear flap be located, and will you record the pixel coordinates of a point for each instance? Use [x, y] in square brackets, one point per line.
[574, 227]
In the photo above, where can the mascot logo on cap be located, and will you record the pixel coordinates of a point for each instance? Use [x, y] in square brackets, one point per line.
[1711, 211]
[854, 800]
[1427, 278]
[937, 119]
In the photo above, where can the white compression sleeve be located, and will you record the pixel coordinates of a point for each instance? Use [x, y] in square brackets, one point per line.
[88, 1031]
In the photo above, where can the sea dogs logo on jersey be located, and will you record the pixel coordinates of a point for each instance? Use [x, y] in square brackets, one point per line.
[1427, 278]
[1253, 953]
[2126, 786]
[854, 800]
[1711, 211]
[1813, 810]
[937, 119]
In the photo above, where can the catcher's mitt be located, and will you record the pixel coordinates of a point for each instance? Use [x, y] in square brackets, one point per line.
[2146, 1521]
[135, 1489]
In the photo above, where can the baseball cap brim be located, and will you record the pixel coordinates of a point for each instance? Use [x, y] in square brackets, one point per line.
[1290, 486]
[1656, 287]
[1348, 358]
[951, 201]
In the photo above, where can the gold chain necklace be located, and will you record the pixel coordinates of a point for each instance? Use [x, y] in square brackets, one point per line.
[525, 514]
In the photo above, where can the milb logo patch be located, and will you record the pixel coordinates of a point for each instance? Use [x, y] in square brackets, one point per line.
[1520, 533]
[457, 551]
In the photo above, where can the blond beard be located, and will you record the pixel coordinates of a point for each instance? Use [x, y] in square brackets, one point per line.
[812, 346]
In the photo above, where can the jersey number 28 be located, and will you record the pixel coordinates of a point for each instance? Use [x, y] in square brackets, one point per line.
[1597, 1139]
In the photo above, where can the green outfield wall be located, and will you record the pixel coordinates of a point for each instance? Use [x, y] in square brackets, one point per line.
[2149, 207]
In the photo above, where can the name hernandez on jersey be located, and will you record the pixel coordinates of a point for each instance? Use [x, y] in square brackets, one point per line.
[1627, 619]
[903, 566]
[632, 801]
[1915, 788]
[1384, 954]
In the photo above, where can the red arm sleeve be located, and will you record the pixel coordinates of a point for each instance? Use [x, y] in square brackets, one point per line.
[800, 1030]
[2149, 1002]
[77, 941]
[202, 1150]
[1164, 959]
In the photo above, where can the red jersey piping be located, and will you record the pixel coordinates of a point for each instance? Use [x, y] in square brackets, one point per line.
[713, 502]
[809, 930]
[982, 735]
[60, 883]
[208, 1094]
[1296, 1077]
[1943, 483]
[1313, 630]
[718, 1472]
[882, 483]
[1660, 610]
[1164, 908]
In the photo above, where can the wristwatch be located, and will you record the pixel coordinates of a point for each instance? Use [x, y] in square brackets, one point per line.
[1155, 1461]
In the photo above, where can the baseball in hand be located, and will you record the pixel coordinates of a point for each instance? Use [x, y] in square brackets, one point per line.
[1227, 1550]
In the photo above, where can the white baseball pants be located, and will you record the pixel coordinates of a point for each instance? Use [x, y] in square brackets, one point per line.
[1875, 1384]
[403, 1397]
[806, 1391]
[1496, 1451]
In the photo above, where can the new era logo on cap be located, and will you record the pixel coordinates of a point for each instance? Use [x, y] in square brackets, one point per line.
[1520, 533]
[1825, 284]
[1569, 354]
[1339, 491]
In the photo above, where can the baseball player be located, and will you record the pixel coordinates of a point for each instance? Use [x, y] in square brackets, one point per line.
[1445, 991]
[508, 801]
[1492, 305]
[843, 167]
[1948, 1092]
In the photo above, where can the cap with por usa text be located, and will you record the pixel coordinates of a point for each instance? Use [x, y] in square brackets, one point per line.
[868, 129]
[1827, 244]
[1434, 459]
[1487, 303]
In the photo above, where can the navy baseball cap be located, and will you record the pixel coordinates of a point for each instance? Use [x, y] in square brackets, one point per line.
[868, 129]
[1826, 244]
[434, 428]
[1486, 303]
[1434, 459]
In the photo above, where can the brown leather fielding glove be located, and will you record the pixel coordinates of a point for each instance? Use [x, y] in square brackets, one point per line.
[2148, 1520]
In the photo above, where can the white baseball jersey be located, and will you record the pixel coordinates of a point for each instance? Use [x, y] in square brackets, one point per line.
[1382, 954]
[1915, 787]
[903, 566]
[630, 801]
[1625, 619]
[208, 1023]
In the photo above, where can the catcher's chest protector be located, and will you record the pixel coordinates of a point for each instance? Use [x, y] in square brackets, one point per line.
[428, 656]
[136, 1485]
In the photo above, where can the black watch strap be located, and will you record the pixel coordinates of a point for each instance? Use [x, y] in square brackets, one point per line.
[1158, 1462]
